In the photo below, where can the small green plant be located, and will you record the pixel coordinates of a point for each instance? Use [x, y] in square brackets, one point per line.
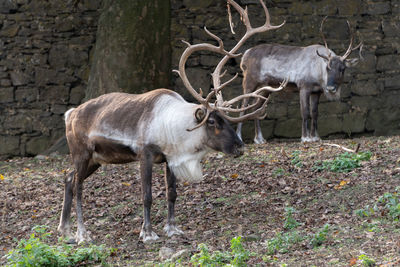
[35, 252]
[366, 261]
[345, 162]
[278, 172]
[320, 237]
[282, 242]
[391, 203]
[290, 222]
[388, 203]
[367, 211]
[238, 255]
[295, 159]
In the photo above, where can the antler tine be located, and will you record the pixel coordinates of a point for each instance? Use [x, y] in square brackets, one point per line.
[249, 32]
[361, 47]
[259, 113]
[225, 83]
[322, 33]
[230, 17]
[348, 52]
[186, 54]
[328, 58]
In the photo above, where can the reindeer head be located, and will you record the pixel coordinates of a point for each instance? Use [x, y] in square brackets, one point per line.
[336, 65]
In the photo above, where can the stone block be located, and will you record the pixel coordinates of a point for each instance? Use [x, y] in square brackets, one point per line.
[301, 8]
[54, 94]
[329, 125]
[77, 58]
[276, 111]
[349, 7]
[26, 95]
[44, 76]
[6, 95]
[290, 128]
[388, 62]
[325, 7]
[365, 87]
[391, 28]
[5, 82]
[376, 8]
[19, 78]
[365, 102]
[58, 109]
[19, 123]
[10, 31]
[293, 111]
[37, 144]
[354, 123]
[332, 108]
[76, 95]
[58, 56]
[383, 121]
[198, 4]
[8, 7]
[392, 82]
[368, 65]
[9, 146]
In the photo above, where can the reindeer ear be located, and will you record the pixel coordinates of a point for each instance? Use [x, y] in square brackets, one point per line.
[200, 114]
[351, 62]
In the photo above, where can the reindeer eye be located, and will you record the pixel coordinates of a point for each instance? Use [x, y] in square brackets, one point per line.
[211, 122]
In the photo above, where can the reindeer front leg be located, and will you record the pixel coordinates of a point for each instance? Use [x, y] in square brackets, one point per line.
[314, 99]
[305, 114]
[170, 181]
[146, 165]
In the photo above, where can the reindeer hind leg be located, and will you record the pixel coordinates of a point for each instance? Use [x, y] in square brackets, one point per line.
[65, 220]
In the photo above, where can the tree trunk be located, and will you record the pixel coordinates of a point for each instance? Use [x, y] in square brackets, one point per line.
[132, 52]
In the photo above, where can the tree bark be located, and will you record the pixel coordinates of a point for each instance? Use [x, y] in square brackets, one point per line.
[132, 52]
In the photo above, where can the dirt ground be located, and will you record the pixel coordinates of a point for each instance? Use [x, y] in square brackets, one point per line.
[244, 196]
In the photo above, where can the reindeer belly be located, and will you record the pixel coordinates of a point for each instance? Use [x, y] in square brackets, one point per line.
[108, 151]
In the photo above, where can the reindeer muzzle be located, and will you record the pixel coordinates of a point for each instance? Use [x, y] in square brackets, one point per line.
[331, 89]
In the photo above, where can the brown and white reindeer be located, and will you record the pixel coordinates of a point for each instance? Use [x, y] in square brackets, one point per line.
[313, 70]
[155, 127]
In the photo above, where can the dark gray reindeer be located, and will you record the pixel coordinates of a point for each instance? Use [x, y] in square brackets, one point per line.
[155, 127]
[313, 70]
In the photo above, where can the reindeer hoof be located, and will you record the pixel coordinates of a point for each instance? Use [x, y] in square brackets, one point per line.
[148, 236]
[171, 230]
[82, 237]
[315, 139]
[66, 234]
[259, 141]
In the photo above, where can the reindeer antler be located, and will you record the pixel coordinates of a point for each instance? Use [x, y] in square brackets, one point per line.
[350, 49]
[329, 57]
[226, 106]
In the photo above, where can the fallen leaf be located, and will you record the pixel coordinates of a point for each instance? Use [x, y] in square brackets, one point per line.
[353, 261]
[235, 175]
[126, 184]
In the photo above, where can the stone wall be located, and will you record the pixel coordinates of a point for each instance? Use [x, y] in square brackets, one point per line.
[44, 53]
[370, 99]
[46, 48]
